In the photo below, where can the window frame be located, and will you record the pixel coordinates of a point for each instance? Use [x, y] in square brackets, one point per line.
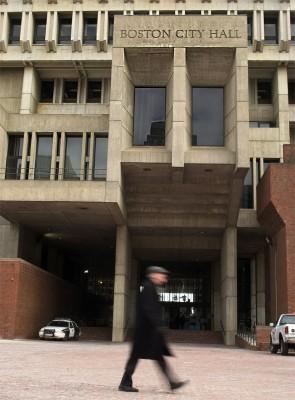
[44, 101]
[14, 18]
[92, 41]
[36, 19]
[61, 18]
[270, 40]
[101, 91]
[63, 91]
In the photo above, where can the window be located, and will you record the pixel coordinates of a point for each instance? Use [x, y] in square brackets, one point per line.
[149, 116]
[39, 30]
[94, 91]
[46, 92]
[264, 91]
[291, 92]
[247, 195]
[14, 157]
[65, 27]
[262, 124]
[14, 30]
[207, 118]
[70, 94]
[100, 157]
[270, 29]
[293, 28]
[73, 157]
[43, 157]
[90, 26]
[111, 28]
[250, 29]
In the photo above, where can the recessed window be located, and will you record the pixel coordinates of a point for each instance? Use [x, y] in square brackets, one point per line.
[46, 92]
[208, 117]
[100, 157]
[65, 28]
[149, 116]
[291, 92]
[43, 157]
[264, 91]
[90, 27]
[14, 156]
[70, 94]
[39, 30]
[262, 124]
[293, 28]
[111, 28]
[247, 195]
[250, 29]
[94, 91]
[270, 29]
[73, 157]
[14, 30]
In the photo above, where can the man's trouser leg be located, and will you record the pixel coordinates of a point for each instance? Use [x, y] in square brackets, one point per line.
[129, 370]
[165, 369]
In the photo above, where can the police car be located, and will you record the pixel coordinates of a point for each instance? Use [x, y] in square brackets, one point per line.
[60, 328]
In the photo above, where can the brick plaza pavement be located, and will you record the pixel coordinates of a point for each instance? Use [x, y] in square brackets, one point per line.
[31, 370]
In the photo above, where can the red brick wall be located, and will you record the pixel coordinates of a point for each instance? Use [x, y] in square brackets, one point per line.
[30, 297]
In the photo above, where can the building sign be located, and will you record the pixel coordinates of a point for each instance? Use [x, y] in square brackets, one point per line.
[180, 31]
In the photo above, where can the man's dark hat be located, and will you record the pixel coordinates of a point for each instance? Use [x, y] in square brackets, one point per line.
[156, 269]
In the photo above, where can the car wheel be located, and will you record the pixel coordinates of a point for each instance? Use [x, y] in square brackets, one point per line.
[67, 336]
[273, 347]
[283, 347]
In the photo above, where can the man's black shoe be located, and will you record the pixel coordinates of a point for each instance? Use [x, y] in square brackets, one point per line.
[177, 385]
[124, 388]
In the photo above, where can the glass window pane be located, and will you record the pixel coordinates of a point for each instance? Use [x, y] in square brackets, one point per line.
[14, 33]
[94, 92]
[40, 30]
[90, 26]
[43, 157]
[65, 27]
[247, 195]
[46, 92]
[73, 157]
[208, 119]
[291, 92]
[149, 117]
[70, 91]
[100, 157]
[14, 157]
[264, 91]
[293, 28]
[249, 28]
[271, 29]
[111, 28]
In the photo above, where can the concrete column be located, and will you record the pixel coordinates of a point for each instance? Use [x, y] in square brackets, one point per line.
[253, 292]
[281, 102]
[91, 156]
[33, 156]
[77, 31]
[26, 33]
[121, 284]
[83, 156]
[24, 156]
[62, 154]
[4, 31]
[260, 285]
[53, 157]
[30, 91]
[9, 239]
[51, 31]
[229, 285]
[216, 296]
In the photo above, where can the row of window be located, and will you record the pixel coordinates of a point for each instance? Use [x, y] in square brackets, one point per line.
[70, 168]
[261, 91]
[271, 28]
[70, 90]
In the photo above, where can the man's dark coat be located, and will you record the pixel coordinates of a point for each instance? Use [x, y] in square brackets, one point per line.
[149, 342]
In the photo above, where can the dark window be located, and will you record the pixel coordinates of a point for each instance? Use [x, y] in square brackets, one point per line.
[111, 28]
[250, 29]
[247, 195]
[293, 28]
[100, 157]
[149, 117]
[14, 30]
[43, 157]
[70, 91]
[39, 30]
[46, 92]
[291, 92]
[65, 27]
[268, 161]
[94, 92]
[262, 124]
[207, 118]
[257, 171]
[264, 91]
[73, 157]
[270, 29]
[90, 26]
[14, 157]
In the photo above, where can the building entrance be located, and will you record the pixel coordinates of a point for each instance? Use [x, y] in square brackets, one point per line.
[186, 298]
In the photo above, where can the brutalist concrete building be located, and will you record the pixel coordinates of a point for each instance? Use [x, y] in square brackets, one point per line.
[144, 132]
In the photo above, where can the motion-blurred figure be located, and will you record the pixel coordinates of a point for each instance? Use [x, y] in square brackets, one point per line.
[149, 342]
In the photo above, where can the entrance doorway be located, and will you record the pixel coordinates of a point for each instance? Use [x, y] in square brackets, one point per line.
[186, 298]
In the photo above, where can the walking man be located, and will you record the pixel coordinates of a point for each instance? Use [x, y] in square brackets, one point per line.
[149, 342]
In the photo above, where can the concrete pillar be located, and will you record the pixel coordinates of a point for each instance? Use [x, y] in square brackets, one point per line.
[121, 284]
[253, 292]
[260, 285]
[9, 239]
[229, 285]
[216, 296]
[30, 91]
[281, 102]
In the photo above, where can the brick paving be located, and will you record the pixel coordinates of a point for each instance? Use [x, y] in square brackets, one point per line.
[32, 370]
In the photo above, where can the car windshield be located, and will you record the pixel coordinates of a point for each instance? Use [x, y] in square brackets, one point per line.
[62, 324]
[287, 319]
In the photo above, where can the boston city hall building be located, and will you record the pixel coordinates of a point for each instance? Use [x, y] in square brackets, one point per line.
[147, 132]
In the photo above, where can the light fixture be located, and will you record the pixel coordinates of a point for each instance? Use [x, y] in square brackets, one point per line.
[85, 271]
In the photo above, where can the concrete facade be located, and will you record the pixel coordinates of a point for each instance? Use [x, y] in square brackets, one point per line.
[175, 203]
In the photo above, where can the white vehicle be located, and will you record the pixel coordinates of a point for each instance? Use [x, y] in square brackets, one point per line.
[282, 336]
[58, 328]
